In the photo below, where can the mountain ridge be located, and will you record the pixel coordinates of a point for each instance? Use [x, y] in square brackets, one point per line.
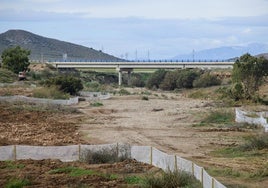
[225, 52]
[49, 49]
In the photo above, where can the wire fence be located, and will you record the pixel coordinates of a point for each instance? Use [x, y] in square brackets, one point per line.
[145, 154]
[257, 118]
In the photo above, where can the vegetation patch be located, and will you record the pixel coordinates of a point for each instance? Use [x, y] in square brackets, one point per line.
[224, 172]
[67, 84]
[172, 179]
[12, 165]
[7, 76]
[17, 183]
[124, 92]
[96, 104]
[145, 98]
[102, 156]
[72, 171]
[257, 142]
[134, 180]
[218, 117]
[50, 93]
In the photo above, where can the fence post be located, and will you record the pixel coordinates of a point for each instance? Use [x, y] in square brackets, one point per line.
[213, 183]
[151, 156]
[117, 151]
[15, 152]
[176, 163]
[79, 152]
[193, 168]
[202, 176]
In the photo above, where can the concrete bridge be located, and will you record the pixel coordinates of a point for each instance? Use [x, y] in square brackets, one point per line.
[128, 66]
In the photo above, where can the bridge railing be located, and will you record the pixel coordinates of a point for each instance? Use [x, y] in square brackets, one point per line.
[145, 60]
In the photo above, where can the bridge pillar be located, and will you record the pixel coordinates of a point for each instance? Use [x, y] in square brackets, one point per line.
[119, 77]
[120, 73]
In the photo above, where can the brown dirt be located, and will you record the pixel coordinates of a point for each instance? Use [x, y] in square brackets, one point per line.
[39, 173]
[19, 125]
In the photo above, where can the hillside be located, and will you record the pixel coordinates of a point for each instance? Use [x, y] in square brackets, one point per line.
[265, 55]
[48, 49]
[225, 52]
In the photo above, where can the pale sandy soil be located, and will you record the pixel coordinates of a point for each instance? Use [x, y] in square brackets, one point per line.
[166, 122]
[129, 119]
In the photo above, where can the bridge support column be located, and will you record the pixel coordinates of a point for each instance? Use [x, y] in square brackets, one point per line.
[120, 74]
[119, 77]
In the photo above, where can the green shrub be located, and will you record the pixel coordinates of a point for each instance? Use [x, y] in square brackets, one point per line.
[124, 92]
[50, 93]
[237, 91]
[136, 81]
[179, 79]
[155, 79]
[186, 78]
[172, 179]
[17, 183]
[102, 156]
[258, 142]
[206, 80]
[170, 81]
[67, 84]
[7, 76]
[96, 104]
[145, 98]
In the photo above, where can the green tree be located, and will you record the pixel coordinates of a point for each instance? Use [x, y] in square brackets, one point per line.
[15, 59]
[206, 80]
[249, 71]
[183, 78]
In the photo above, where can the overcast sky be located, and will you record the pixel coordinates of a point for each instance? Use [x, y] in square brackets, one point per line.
[164, 28]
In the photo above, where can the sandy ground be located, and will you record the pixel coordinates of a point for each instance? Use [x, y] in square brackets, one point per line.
[166, 122]
[163, 122]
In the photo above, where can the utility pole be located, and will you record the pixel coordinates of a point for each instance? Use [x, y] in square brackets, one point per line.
[148, 55]
[193, 55]
[136, 55]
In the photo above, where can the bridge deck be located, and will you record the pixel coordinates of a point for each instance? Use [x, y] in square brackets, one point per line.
[143, 65]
